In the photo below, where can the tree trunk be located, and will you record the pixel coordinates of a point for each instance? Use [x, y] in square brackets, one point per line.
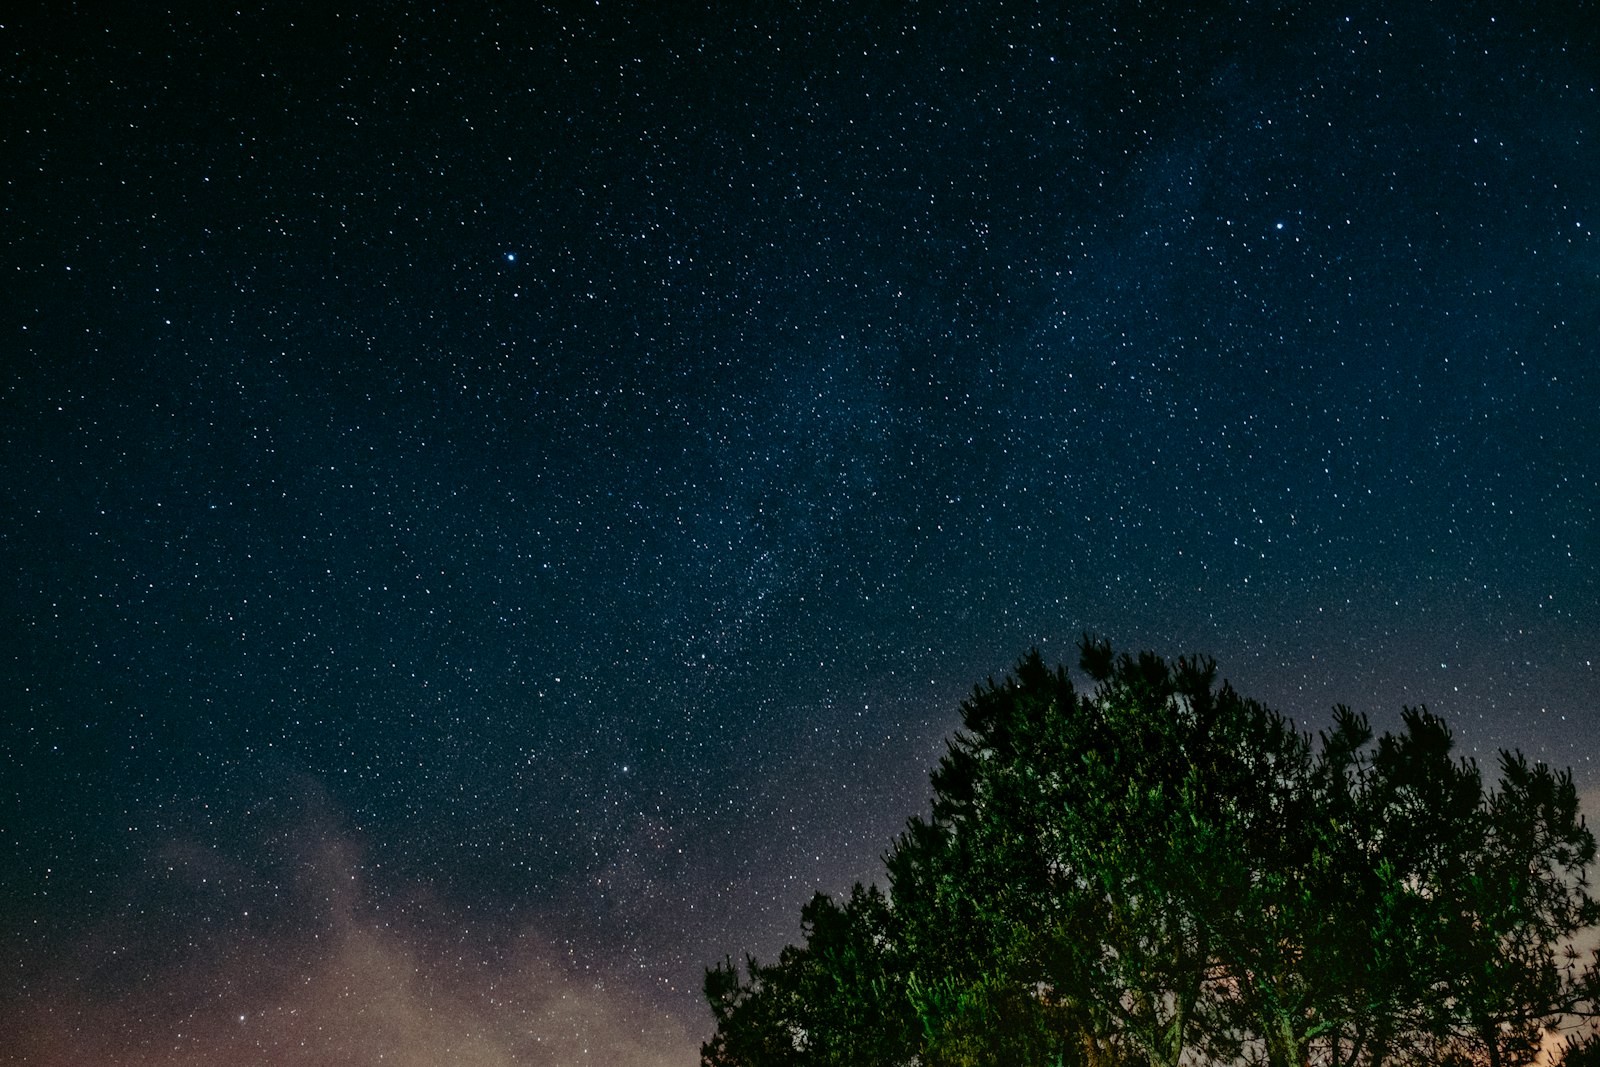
[1286, 1047]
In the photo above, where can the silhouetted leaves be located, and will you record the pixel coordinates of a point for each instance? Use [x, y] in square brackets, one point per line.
[1163, 871]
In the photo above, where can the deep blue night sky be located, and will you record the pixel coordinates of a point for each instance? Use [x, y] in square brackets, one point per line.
[497, 506]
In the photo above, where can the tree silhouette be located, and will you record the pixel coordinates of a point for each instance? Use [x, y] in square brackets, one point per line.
[837, 999]
[1161, 871]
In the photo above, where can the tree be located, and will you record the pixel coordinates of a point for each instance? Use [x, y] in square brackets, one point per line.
[1581, 1051]
[1508, 916]
[835, 1000]
[1161, 871]
[980, 900]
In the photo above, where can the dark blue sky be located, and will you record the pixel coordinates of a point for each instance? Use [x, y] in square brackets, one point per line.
[516, 496]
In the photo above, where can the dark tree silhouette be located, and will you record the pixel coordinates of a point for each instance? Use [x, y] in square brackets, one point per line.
[1162, 871]
[837, 999]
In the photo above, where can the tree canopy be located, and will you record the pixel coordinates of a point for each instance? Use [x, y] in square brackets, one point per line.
[1161, 871]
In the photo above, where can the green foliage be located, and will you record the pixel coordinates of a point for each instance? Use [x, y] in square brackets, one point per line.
[837, 999]
[1161, 871]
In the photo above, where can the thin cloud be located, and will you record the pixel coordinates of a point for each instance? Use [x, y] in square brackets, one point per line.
[334, 977]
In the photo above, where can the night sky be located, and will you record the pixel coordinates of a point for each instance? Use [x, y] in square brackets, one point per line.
[498, 506]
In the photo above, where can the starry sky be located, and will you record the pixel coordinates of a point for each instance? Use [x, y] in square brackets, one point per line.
[500, 503]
